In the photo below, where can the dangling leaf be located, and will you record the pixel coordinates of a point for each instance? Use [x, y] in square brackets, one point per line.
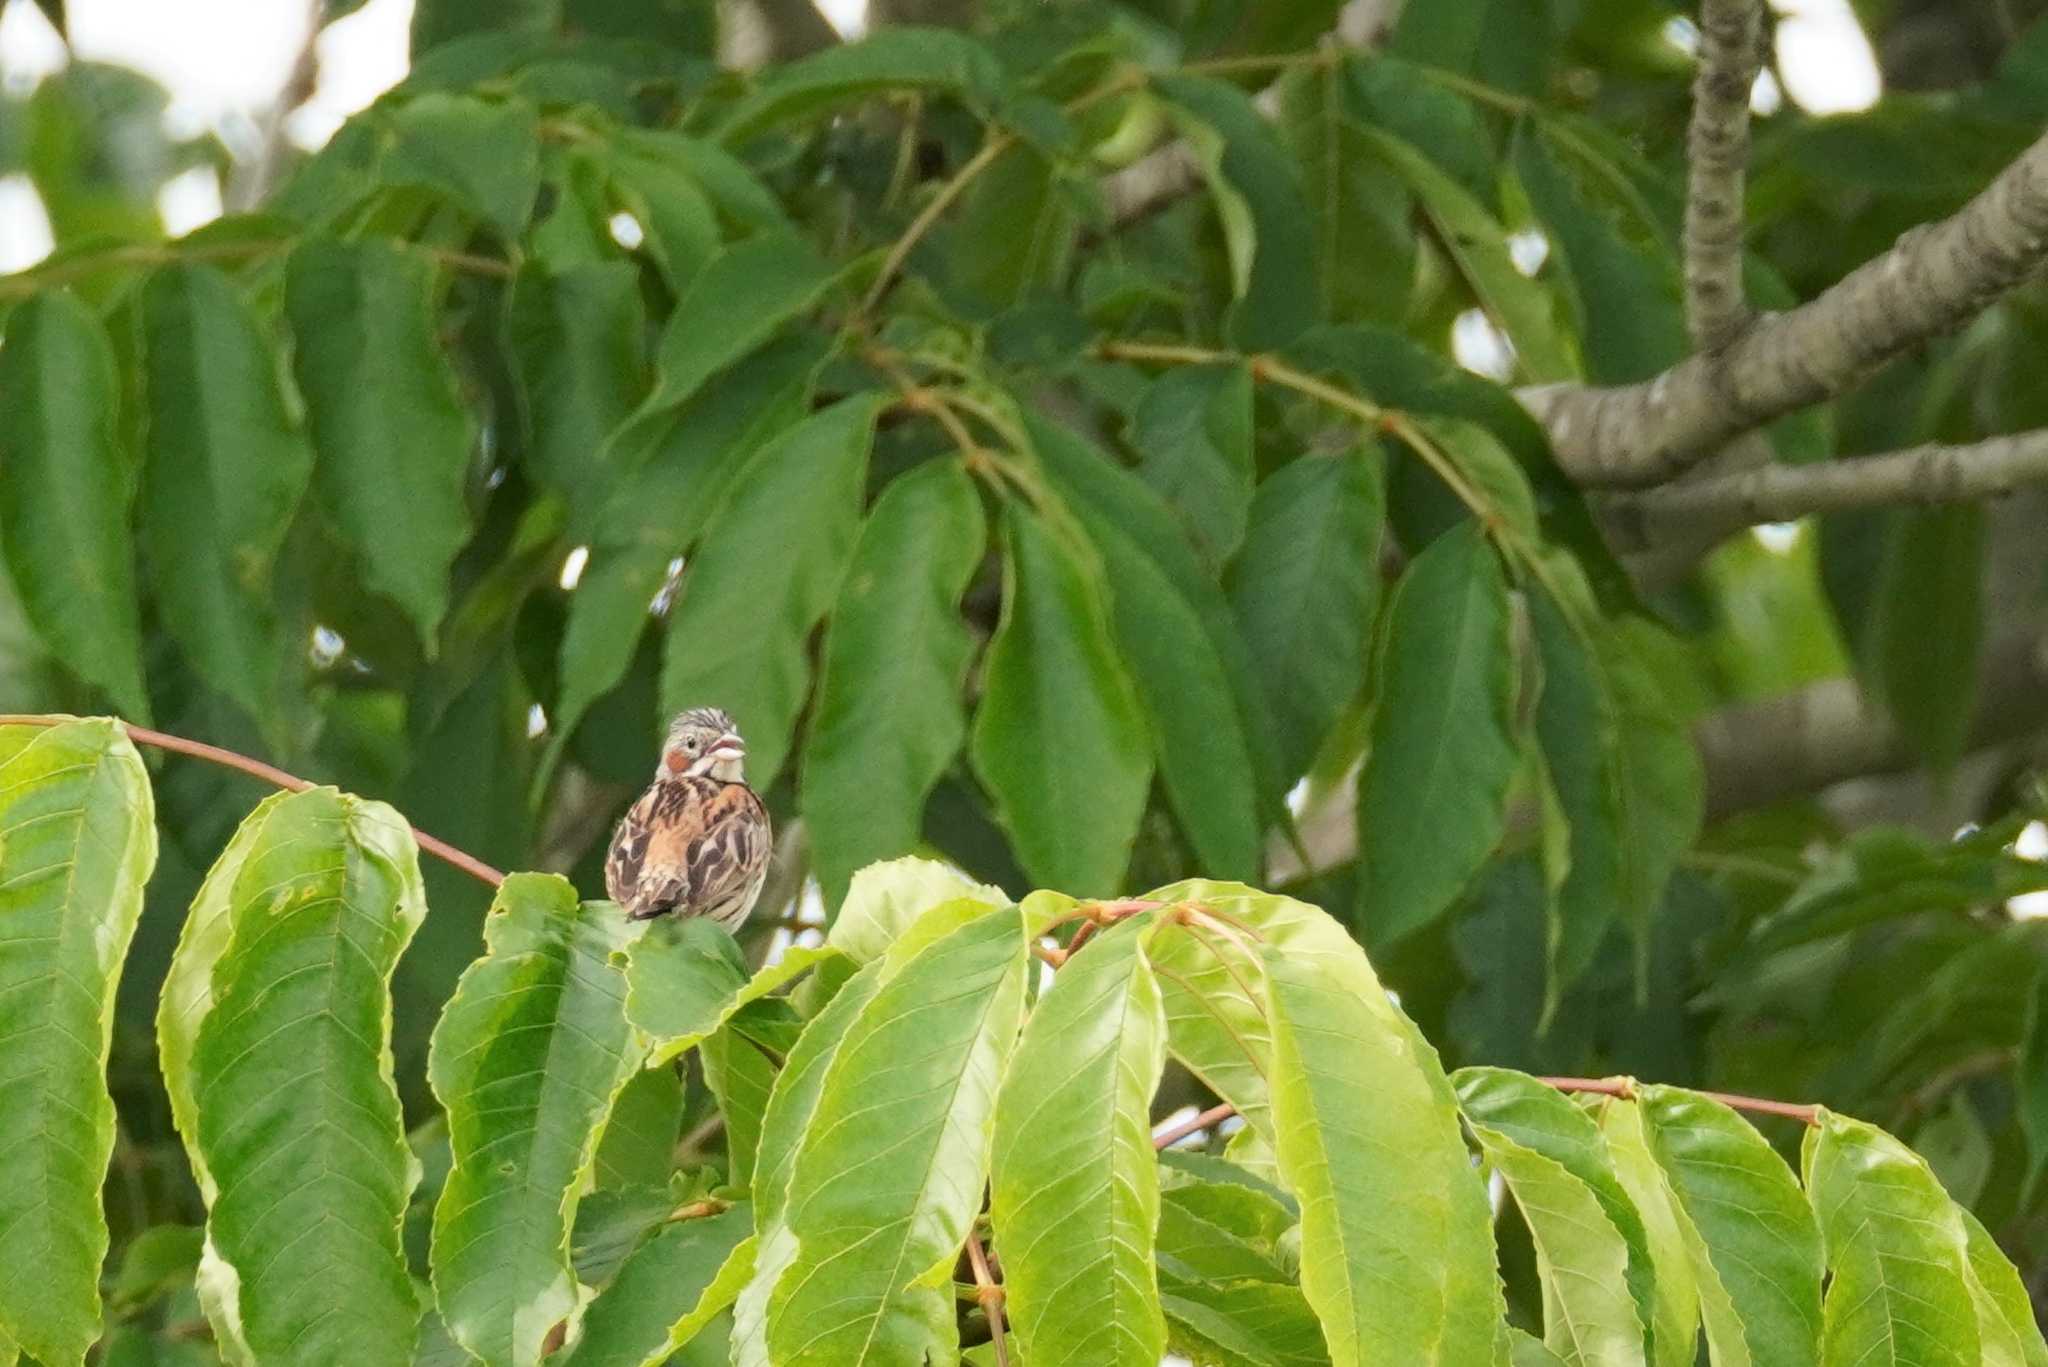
[1059, 739]
[890, 716]
[77, 843]
[527, 1059]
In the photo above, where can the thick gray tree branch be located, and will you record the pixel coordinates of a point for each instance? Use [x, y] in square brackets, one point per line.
[1717, 156]
[1936, 278]
[1711, 508]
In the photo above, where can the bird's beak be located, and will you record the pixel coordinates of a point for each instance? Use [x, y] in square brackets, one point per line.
[729, 748]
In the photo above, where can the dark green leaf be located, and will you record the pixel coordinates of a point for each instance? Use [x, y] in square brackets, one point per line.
[1265, 218]
[393, 441]
[1365, 245]
[1015, 231]
[1060, 740]
[1433, 797]
[890, 718]
[931, 60]
[65, 489]
[736, 303]
[1928, 626]
[1193, 434]
[1306, 590]
[639, 1144]
[737, 636]
[578, 336]
[484, 156]
[77, 843]
[665, 1283]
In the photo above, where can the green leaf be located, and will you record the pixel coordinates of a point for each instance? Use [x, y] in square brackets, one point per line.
[159, 1260]
[526, 1061]
[674, 213]
[900, 57]
[661, 502]
[639, 1144]
[1576, 726]
[1956, 1147]
[77, 843]
[1927, 627]
[1753, 1247]
[661, 1294]
[1306, 589]
[1478, 247]
[785, 1125]
[1216, 1022]
[734, 190]
[1265, 218]
[890, 717]
[392, 438]
[1074, 1183]
[275, 1030]
[1360, 211]
[1559, 1163]
[1263, 1324]
[1677, 1313]
[1629, 296]
[1657, 776]
[741, 1076]
[1059, 740]
[1432, 800]
[225, 470]
[685, 979]
[736, 303]
[2030, 1083]
[1591, 1249]
[737, 634]
[1193, 434]
[483, 156]
[890, 1173]
[1895, 1255]
[65, 488]
[1188, 662]
[1014, 232]
[2005, 1314]
[1396, 1253]
[885, 899]
[577, 335]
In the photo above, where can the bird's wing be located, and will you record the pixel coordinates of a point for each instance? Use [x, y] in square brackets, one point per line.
[686, 845]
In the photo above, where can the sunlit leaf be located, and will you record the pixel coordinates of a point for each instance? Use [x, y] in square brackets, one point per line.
[77, 843]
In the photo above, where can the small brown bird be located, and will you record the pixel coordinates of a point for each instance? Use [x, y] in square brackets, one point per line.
[697, 842]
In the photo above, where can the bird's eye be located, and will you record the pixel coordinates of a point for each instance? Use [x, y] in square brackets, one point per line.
[692, 745]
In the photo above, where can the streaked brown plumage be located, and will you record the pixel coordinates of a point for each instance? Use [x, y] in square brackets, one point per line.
[697, 842]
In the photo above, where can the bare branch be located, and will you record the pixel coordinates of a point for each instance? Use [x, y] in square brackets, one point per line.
[1936, 278]
[1717, 155]
[1711, 508]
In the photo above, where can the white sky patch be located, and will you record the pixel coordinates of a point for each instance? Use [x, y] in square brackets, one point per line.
[326, 647]
[850, 17]
[189, 200]
[29, 48]
[2032, 843]
[1528, 249]
[1777, 537]
[1478, 345]
[572, 568]
[536, 722]
[216, 57]
[1825, 58]
[1766, 96]
[361, 56]
[24, 225]
[626, 230]
[1683, 34]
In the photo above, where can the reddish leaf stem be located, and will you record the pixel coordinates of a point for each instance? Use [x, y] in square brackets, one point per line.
[269, 773]
[1187, 1127]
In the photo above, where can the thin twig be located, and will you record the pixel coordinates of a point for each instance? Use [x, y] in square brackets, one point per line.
[256, 768]
[997, 144]
[1717, 156]
[1169, 1137]
[1624, 1088]
[990, 1294]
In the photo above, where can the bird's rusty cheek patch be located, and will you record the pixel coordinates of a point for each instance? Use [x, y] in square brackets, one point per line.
[674, 761]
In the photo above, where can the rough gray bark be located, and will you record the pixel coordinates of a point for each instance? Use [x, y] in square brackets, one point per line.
[1717, 156]
[1937, 277]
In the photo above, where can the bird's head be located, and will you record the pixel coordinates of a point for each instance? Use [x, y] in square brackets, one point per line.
[703, 742]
